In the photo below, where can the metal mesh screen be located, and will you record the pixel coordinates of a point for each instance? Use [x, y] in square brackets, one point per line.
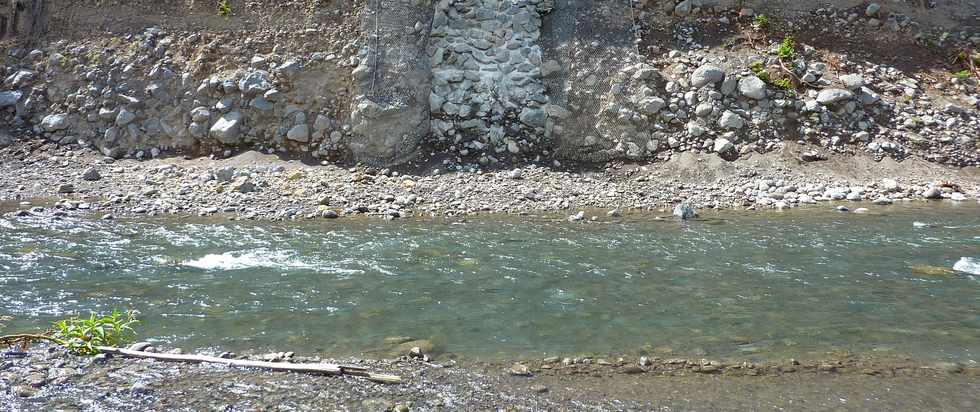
[398, 83]
[590, 40]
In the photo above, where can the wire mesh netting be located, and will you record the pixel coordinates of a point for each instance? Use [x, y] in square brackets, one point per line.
[590, 40]
[398, 82]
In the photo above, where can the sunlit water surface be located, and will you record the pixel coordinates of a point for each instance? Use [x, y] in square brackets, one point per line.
[731, 285]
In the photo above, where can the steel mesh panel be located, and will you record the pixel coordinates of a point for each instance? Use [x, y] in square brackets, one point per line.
[590, 40]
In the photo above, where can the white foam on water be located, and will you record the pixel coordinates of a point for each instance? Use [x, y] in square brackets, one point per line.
[259, 258]
[6, 224]
[968, 265]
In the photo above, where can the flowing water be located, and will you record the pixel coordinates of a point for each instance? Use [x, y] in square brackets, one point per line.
[731, 285]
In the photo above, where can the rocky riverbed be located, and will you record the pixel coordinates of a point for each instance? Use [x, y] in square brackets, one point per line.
[50, 179]
[46, 377]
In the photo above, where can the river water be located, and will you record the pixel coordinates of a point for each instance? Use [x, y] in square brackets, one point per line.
[755, 285]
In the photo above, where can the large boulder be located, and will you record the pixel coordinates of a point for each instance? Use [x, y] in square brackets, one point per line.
[752, 87]
[299, 133]
[228, 128]
[10, 98]
[55, 122]
[707, 74]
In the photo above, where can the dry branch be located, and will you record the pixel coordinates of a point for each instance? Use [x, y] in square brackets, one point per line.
[324, 368]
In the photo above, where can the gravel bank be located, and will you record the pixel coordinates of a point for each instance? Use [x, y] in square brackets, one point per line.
[46, 377]
[257, 186]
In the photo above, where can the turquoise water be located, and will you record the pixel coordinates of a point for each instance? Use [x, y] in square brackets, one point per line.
[732, 285]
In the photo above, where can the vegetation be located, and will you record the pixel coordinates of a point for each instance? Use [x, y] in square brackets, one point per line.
[962, 74]
[83, 336]
[224, 8]
[787, 49]
[783, 83]
[761, 21]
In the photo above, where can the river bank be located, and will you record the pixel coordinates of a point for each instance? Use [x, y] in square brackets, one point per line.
[46, 377]
[267, 187]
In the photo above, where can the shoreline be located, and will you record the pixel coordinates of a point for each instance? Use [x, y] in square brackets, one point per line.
[47, 375]
[252, 186]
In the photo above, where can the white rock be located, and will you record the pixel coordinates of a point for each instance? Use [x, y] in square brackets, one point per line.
[722, 145]
[752, 87]
[730, 120]
[831, 96]
[55, 122]
[228, 128]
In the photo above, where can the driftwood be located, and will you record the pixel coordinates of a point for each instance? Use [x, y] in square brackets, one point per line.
[324, 368]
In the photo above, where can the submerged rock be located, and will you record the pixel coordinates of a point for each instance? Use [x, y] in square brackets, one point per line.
[685, 211]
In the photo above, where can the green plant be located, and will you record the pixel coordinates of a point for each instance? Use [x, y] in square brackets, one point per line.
[83, 336]
[787, 49]
[760, 71]
[224, 8]
[962, 74]
[784, 84]
[761, 21]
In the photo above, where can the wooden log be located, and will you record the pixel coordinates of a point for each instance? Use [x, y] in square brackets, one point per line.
[324, 368]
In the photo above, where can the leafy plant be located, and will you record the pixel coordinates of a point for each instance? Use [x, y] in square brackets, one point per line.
[780, 83]
[787, 49]
[83, 336]
[224, 8]
[760, 71]
[784, 84]
[962, 74]
[761, 21]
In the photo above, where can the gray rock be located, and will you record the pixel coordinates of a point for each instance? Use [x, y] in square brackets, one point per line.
[703, 110]
[752, 87]
[299, 133]
[200, 114]
[125, 117]
[224, 174]
[685, 211]
[228, 128]
[242, 185]
[707, 74]
[872, 10]
[577, 217]
[9, 98]
[730, 120]
[533, 117]
[933, 193]
[852, 81]
[55, 122]
[91, 174]
[19, 79]
[66, 188]
[722, 145]
[831, 96]
[254, 83]
[683, 8]
[729, 85]
[652, 105]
